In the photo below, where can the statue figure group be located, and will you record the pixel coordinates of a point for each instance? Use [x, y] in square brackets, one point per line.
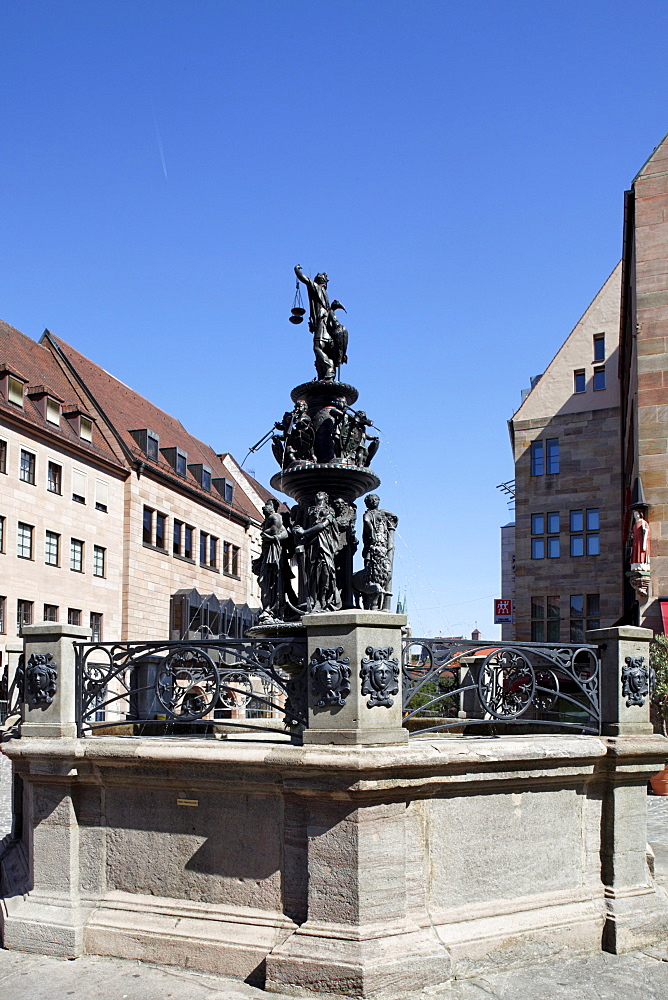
[330, 337]
[336, 433]
[320, 542]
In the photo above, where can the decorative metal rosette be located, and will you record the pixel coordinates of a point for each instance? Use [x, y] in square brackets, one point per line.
[506, 684]
[188, 685]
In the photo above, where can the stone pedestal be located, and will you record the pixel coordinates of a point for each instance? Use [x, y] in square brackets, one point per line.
[355, 722]
[55, 715]
[616, 644]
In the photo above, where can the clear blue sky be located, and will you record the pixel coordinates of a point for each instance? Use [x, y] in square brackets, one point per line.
[457, 168]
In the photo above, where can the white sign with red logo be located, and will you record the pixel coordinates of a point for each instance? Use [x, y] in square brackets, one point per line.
[503, 612]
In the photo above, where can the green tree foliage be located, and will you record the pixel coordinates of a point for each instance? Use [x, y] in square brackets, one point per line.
[658, 658]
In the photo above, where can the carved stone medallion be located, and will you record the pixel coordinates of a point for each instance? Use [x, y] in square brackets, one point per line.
[330, 673]
[41, 676]
[380, 676]
[637, 680]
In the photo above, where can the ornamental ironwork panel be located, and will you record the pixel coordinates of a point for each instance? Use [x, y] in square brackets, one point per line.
[172, 688]
[456, 683]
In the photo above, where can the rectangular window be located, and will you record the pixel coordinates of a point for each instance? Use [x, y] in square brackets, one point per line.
[50, 612]
[76, 555]
[538, 548]
[537, 459]
[79, 486]
[55, 478]
[85, 429]
[227, 552]
[3, 607]
[101, 495]
[599, 378]
[181, 463]
[552, 451]
[147, 526]
[52, 548]
[577, 617]
[593, 525]
[73, 616]
[577, 523]
[203, 540]
[95, 626]
[2, 534]
[23, 614]
[577, 545]
[213, 552]
[14, 391]
[579, 380]
[24, 541]
[593, 611]
[160, 529]
[206, 479]
[553, 547]
[553, 525]
[235, 560]
[99, 559]
[599, 347]
[553, 619]
[538, 619]
[537, 524]
[3, 457]
[152, 446]
[27, 467]
[545, 530]
[188, 541]
[53, 411]
[178, 531]
[229, 491]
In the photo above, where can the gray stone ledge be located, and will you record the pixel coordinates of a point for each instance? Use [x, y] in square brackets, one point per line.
[370, 619]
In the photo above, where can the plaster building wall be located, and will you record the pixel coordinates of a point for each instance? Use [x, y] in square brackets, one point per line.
[644, 349]
[566, 446]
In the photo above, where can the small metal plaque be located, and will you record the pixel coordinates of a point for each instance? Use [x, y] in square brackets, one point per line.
[187, 802]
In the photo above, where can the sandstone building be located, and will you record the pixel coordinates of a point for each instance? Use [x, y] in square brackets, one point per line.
[112, 515]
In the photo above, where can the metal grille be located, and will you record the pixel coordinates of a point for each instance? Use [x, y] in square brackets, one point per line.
[176, 688]
[458, 684]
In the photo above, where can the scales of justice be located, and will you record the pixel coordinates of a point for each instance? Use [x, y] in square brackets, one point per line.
[324, 448]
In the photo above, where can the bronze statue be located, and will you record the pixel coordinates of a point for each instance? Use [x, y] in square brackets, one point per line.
[270, 566]
[373, 584]
[330, 338]
[320, 537]
[295, 444]
[345, 519]
[360, 447]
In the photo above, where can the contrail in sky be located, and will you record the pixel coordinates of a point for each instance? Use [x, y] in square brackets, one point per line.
[162, 152]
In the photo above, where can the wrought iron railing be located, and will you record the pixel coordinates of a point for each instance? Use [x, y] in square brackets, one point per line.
[11, 694]
[455, 683]
[172, 688]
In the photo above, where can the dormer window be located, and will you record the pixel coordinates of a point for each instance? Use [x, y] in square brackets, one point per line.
[148, 441]
[11, 384]
[14, 391]
[202, 474]
[79, 421]
[53, 411]
[178, 460]
[85, 429]
[226, 489]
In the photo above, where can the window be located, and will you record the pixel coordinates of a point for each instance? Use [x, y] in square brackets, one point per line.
[55, 478]
[101, 495]
[160, 537]
[147, 529]
[579, 380]
[99, 560]
[545, 530]
[206, 479]
[552, 451]
[52, 413]
[23, 614]
[227, 553]
[181, 463]
[537, 458]
[581, 621]
[235, 560]
[14, 391]
[27, 467]
[50, 612]
[76, 556]
[178, 531]
[582, 541]
[52, 548]
[3, 457]
[152, 445]
[95, 626]
[229, 491]
[24, 541]
[188, 541]
[85, 429]
[545, 624]
[79, 484]
[3, 607]
[2, 534]
[599, 347]
[203, 541]
[213, 552]
[73, 616]
[599, 378]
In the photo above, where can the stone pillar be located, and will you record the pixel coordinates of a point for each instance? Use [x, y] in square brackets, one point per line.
[48, 646]
[350, 637]
[616, 644]
[360, 936]
[635, 912]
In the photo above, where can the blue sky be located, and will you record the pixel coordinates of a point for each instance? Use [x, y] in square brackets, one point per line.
[457, 168]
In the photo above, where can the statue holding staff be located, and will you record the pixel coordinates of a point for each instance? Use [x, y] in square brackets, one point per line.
[330, 338]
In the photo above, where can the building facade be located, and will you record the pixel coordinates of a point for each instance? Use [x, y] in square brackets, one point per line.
[112, 516]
